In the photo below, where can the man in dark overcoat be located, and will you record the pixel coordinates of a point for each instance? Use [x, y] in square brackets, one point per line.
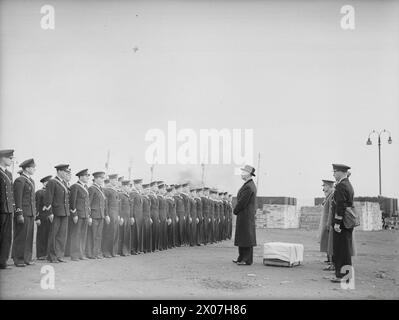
[245, 209]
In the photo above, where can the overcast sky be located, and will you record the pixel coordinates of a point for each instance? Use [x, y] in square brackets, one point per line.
[112, 70]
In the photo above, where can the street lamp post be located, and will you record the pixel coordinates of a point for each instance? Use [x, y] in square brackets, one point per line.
[379, 134]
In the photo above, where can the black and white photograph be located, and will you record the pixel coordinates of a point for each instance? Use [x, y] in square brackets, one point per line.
[199, 150]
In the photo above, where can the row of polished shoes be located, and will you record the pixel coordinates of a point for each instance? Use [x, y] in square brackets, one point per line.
[18, 264]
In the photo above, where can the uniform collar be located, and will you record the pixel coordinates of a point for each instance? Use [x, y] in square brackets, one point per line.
[342, 179]
[26, 175]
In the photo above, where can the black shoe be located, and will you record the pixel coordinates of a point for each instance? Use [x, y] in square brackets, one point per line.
[30, 263]
[242, 263]
[235, 261]
[61, 260]
[53, 261]
[20, 264]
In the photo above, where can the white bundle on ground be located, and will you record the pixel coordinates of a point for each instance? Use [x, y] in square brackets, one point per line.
[280, 216]
[282, 253]
[370, 215]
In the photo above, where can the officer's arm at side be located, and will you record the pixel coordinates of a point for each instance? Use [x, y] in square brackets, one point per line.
[243, 199]
[18, 191]
[73, 198]
[48, 197]
[340, 198]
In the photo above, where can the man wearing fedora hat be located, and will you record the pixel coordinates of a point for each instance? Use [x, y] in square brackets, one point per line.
[245, 209]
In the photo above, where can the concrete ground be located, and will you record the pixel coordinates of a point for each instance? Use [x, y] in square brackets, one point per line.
[207, 272]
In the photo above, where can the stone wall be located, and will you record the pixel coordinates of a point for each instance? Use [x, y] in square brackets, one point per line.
[310, 217]
[369, 214]
[277, 216]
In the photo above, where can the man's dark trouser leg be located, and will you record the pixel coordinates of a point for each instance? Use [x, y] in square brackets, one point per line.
[342, 250]
[42, 238]
[5, 237]
[245, 255]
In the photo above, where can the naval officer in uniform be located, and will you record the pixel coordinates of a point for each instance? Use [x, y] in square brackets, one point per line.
[42, 221]
[136, 200]
[342, 238]
[7, 206]
[56, 202]
[25, 213]
[80, 212]
[97, 203]
[110, 240]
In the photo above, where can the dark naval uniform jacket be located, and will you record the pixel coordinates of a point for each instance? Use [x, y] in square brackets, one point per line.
[79, 200]
[97, 201]
[41, 214]
[56, 199]
[112, 205]
[125, 209]
[24, 196]
[6, 192]
[137, 206]
[342, 198]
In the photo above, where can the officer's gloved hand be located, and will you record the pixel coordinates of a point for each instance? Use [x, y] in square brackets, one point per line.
[20, 218]
[132, 220]
[38, 222]
[51, 218]
[120, 221]
[75, 219]
[197, 220]
[150, 220]
[107, 220]
[177, 219]
[90, 221]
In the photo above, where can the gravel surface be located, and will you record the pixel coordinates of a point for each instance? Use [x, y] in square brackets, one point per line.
[207, 272]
